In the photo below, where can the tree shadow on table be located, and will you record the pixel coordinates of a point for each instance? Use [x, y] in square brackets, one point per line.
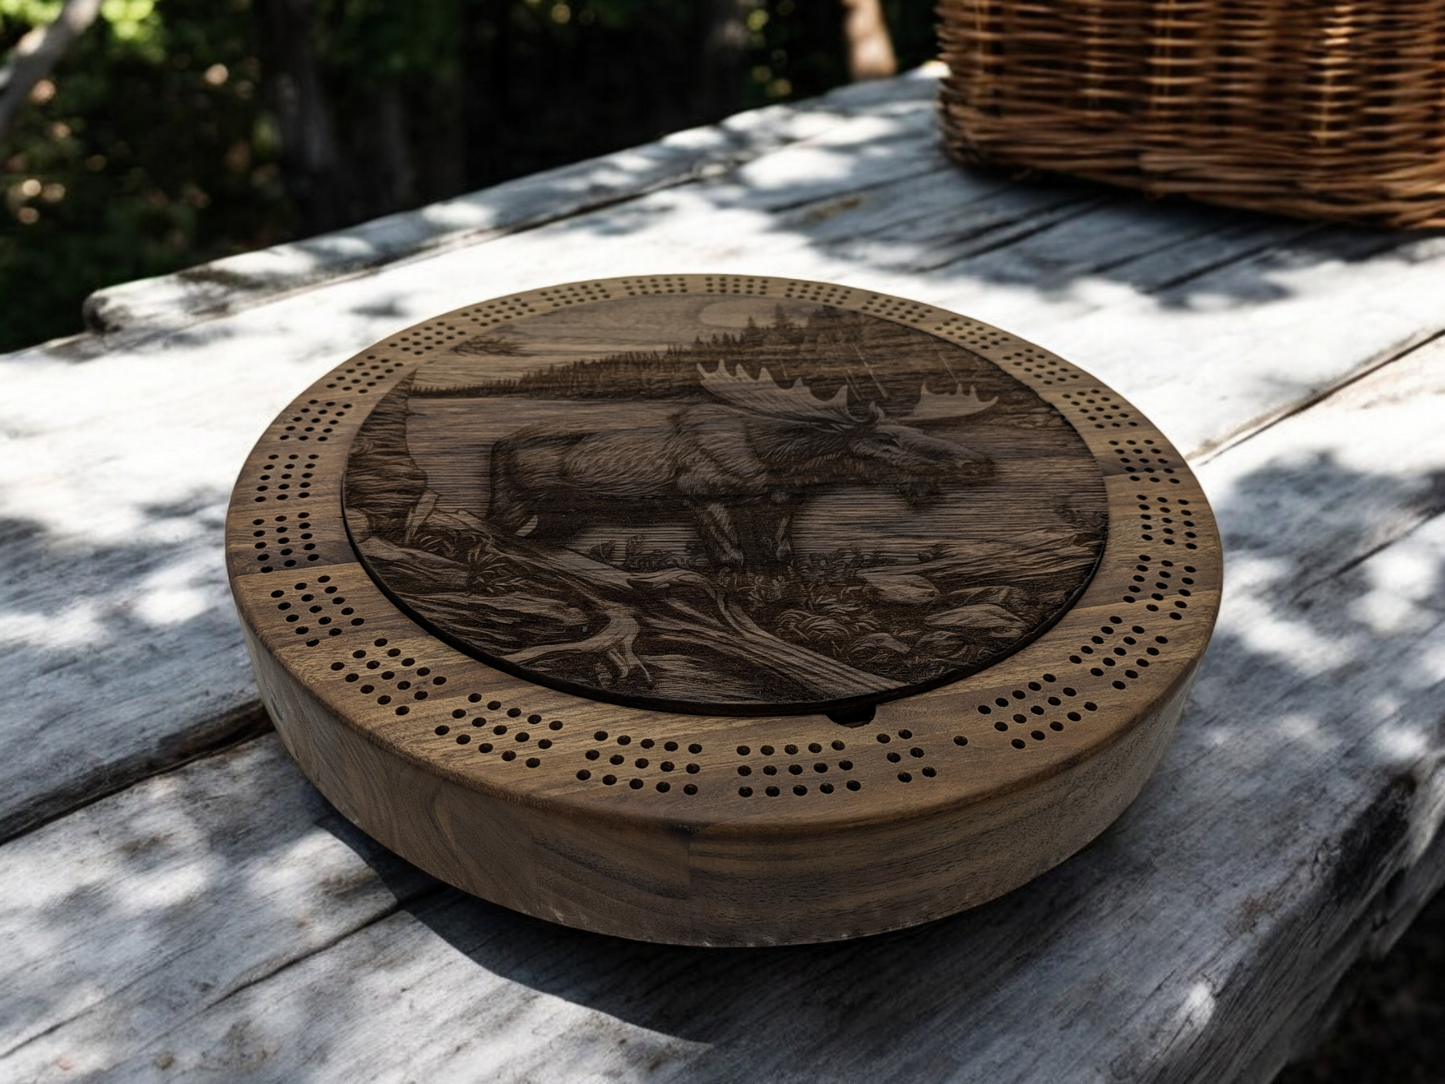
[1207, 848]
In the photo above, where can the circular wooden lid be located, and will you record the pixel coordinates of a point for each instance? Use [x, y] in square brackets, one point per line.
[737, 505]
[722, 609]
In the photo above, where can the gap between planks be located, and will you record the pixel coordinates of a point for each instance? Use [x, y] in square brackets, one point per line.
[1211, 450]
[1258, 860]
[103, 759]
[226, 286]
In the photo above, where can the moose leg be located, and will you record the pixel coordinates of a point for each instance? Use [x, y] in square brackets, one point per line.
[780, 542]
[507, 509]
[555, 527]
[507, 514]
[719, 533]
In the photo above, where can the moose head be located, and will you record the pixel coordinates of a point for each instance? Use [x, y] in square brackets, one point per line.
[826, 435]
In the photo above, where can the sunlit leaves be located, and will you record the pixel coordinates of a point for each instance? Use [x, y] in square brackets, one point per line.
[30, 12]
[136, 23]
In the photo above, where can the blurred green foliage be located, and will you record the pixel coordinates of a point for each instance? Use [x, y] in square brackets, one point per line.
[147, 151]
[156, 145]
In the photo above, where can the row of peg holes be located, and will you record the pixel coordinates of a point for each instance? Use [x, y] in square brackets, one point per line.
[285, 546]
[370, 675]
[1132, 458]
[1038, 364]
[577, 294]
[316, 418]
[735, 284]
[817, 291]
[914, 752]
[405, 678]
[655, 284]
[1157, 597]
[428, 337]
[1099, 408]
[641, 761]
[284, 478]
[1167, 572]
[416, 685]
[1018, 700]
[356, 377]
[520, 737]
[1165, 527]
[316, 600]
[330, 594]
[972, 333]
[285, 473]
[895, 308]
[1098, 645]
[772, 790]
[499, 729]
[498, 312]
[1149, 529]
[371, 672]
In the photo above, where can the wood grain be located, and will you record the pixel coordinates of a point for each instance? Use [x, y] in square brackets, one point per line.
[708, 828]
[1208, 927]
[185, 928]
[119, 597]
[727, 506]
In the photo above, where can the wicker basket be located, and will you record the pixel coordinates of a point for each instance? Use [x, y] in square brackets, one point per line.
[1314, 108]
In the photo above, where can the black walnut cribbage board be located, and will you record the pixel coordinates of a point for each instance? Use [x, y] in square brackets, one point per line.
[722, 610]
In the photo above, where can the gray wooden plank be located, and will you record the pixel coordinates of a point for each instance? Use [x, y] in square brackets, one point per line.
[1254, 331]
[124, 646]
[185, 929]
[1044, 235]
[123, 649]
[227, 285]
[236, 843]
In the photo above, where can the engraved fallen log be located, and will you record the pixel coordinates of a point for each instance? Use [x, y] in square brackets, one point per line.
[575, 595]
[592, 614]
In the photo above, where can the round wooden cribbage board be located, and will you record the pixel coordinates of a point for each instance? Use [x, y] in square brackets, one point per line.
[722, 610]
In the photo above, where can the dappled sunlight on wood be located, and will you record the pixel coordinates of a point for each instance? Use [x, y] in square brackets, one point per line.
[1291, 829]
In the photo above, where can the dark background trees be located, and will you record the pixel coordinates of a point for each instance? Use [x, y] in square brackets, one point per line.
[176, 132]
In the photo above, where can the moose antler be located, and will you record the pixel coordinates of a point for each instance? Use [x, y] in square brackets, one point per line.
[951, 404]
[764, 396]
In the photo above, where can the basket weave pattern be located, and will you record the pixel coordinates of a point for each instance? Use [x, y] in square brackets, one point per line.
[1312, 108]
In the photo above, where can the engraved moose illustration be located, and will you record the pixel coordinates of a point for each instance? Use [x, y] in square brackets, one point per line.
[741, 467]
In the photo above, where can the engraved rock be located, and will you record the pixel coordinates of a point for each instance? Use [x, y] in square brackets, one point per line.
[995, 620]
[877, 640]
[907, 588]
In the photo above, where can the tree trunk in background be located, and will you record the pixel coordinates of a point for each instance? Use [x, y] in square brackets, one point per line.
[310, 156]
[724, 58]
[377, 143]
[36, 55]
[439, 140]
[486, 102]
[870, 49]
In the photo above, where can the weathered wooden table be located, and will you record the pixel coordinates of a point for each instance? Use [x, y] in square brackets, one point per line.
[177, 902]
